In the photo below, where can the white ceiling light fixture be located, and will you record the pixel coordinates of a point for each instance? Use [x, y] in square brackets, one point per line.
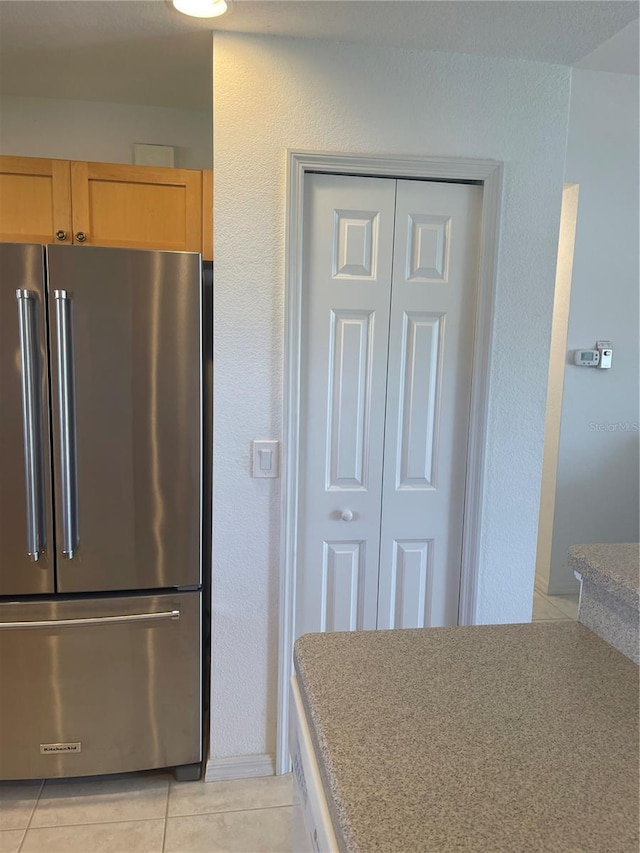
[201, 8]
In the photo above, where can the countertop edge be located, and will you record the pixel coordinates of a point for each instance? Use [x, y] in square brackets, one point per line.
[613, 566]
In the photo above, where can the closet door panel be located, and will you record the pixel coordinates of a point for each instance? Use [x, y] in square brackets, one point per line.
[348, 229]
[428, 395]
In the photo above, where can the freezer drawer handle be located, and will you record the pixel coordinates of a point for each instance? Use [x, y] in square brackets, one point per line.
[31, 422]
[66, 421]
[96, 620]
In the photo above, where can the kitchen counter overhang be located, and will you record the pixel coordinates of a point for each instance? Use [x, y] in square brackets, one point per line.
[609, 575]
[492, 738]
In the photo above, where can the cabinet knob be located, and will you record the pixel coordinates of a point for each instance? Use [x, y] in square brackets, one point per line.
[81, 236]
[346, 515]
[61, 235]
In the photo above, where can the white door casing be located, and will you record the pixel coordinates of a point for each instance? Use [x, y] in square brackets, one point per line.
[301, 165]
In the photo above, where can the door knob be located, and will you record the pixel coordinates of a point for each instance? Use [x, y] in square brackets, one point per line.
[81, 236]
[346, 515]
[61, 235]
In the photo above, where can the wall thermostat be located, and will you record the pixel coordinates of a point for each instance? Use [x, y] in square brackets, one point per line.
[598, 357]
[587, 357]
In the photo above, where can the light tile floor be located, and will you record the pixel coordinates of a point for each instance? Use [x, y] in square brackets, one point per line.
[146, 813]
[548, 607]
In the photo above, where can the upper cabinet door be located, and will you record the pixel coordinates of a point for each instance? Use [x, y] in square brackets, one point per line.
[35, 200]
[136, 207]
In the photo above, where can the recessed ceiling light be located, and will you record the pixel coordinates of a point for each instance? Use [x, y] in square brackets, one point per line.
[201, 8]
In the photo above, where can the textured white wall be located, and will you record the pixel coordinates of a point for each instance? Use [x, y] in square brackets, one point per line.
[271, 94]
[597, 475]
[104, 132]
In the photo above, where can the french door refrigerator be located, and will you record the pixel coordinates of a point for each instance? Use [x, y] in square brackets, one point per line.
[100, 510]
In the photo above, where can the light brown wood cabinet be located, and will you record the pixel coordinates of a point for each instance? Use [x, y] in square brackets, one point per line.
[35, 200]
[105, 204]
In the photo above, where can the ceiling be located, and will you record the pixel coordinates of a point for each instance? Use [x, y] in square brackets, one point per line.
[143, 51]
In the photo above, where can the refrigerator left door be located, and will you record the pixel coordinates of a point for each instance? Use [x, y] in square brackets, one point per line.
[26, 537]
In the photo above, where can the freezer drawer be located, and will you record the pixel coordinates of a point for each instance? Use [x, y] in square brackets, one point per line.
[99, 686]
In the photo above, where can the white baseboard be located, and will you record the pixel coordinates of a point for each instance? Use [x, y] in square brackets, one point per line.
[554, 585]
[239, 767]
[564, 587]
[541, 584]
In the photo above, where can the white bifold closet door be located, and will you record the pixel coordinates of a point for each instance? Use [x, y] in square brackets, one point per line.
[388, 310]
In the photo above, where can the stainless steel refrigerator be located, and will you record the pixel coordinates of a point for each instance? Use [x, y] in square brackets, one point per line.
[101, 495]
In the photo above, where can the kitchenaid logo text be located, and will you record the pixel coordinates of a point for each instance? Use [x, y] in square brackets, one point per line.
[47, 748]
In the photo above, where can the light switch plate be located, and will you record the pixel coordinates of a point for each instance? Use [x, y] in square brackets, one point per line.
[265, 459]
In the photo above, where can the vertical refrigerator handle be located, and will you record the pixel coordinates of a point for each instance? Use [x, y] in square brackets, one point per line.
[66, 424]
[31, 422]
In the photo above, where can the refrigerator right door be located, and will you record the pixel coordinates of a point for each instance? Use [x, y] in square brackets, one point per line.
[26, 537]
[126, 364]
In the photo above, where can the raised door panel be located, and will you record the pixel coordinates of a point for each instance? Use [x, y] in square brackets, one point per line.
[411, 575]
[343, 584]
[35, 200]
[427, 416]
[348, 448]
[419, 416]
[137, 206]
[345, 322]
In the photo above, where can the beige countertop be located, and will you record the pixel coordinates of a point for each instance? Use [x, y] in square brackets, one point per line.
[509, 738]
[615, 566]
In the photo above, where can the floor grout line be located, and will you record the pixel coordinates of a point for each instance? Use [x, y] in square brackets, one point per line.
[97, 823]
[33, 811]
[234, 811]
[149, 819]
[166, 817]
[549, 601]
[24, 835]
[555, 606]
